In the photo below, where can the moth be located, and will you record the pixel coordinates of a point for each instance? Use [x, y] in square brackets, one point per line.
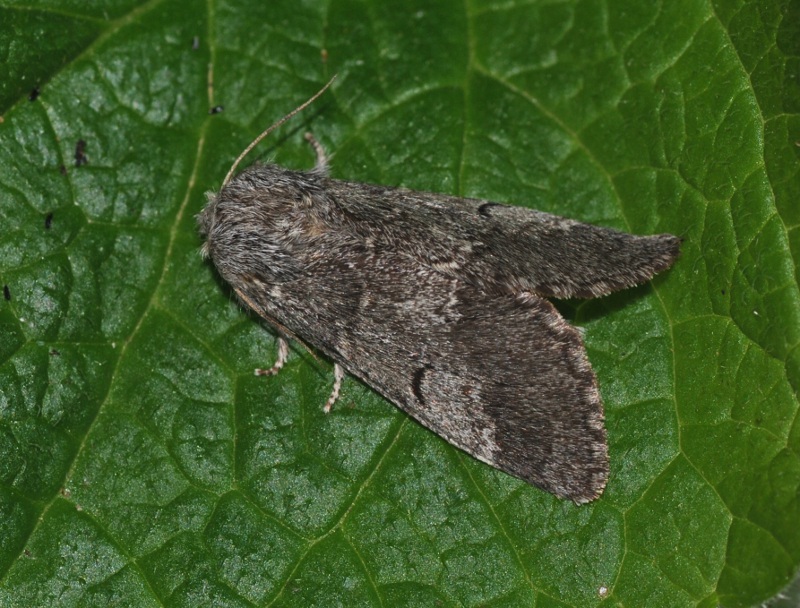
[436, 302]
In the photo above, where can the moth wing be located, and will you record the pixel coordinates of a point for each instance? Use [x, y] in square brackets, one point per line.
[494, 245]
[515, 374]
[502, 376]
[510, 382]
[507, 379]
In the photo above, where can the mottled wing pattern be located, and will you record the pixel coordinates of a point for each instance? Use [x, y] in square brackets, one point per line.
[520, 249]
[502, 376]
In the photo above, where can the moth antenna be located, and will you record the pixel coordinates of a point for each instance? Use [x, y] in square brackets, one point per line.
[272, 127]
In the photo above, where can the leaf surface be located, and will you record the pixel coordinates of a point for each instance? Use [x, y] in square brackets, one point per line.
[141, 462]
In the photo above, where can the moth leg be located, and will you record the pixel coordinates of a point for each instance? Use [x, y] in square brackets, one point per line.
[283, 355]
[338, 375]
[322, 158]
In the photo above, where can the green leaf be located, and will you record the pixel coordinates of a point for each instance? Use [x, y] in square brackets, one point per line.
[141, 462]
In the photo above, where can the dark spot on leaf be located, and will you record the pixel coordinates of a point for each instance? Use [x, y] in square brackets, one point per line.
[80, 153]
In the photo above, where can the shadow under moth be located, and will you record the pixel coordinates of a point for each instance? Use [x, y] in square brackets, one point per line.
[438, 303]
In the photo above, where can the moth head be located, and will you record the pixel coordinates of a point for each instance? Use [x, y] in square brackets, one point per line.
[258, 224]
[205, 222]
[245, 223]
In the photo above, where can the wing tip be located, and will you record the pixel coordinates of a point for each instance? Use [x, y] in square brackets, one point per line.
[573, 465]
[644, 257]
[586, 481]
[594, 488]
[669, 248]
[582, 480]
